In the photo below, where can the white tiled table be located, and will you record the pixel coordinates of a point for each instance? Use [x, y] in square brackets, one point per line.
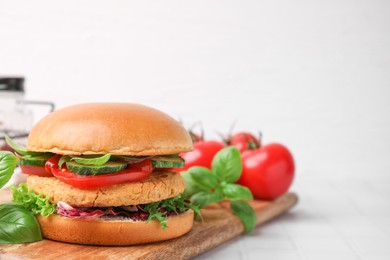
[340, 219]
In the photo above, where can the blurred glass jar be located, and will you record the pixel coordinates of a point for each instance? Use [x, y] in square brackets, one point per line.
[16, 117]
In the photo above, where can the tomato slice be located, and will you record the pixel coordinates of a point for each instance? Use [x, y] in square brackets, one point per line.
[134, 172]
[52, 162]
[35, 170]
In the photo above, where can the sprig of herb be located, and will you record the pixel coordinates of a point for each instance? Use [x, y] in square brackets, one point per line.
[206, 186]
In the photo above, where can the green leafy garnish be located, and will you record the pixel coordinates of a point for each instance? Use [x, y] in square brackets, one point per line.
[40, 156]
[236, 192]
[227, 165]
[17, 147]
[8, 163]
[246, 213]
[204, 198]
[191, 187]
[206, 186]
[20, 148]
[100, 160]
[128, 157]
[63, 159]
[18, 225]
[160, 210]
[37, 203]
[203, 178]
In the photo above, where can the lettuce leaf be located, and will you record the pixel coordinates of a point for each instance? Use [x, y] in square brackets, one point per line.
[162, 209]
[37, 203]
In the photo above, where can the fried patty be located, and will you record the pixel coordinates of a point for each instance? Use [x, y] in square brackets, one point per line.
[158, 186]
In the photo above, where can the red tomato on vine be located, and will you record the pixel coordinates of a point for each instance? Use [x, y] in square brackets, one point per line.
[267, 171]
[244, 141]
[202, 155]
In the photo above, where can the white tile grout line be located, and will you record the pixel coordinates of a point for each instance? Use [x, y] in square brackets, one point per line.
[358, 209]
[350, 244]
[370, 186]
[299, 250]
[243, 252]
[340, 234]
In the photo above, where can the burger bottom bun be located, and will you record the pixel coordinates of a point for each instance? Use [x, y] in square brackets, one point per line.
[113, 233]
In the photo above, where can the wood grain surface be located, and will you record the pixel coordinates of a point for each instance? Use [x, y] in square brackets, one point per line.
[219, 225]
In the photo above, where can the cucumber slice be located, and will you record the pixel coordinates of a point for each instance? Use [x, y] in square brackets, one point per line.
[171, 161]
[34, 160]
[108, 167]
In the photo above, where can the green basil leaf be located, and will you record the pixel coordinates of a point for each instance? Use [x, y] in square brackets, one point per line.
[204, 198]
[191, 187]
[63, 159]
[92, 160]
[8, 163]
[36, 203]
[227, 164]
[246, 213]
[18, 225]
[128, 158]
[17, 147]
[20, 148]
[236, 192]
[203, 178]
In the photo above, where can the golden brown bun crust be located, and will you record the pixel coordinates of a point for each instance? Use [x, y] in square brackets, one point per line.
[116, 128]
[158, 186]
[113, 233]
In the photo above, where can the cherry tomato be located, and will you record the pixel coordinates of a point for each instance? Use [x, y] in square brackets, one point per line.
[202, 155]
[35, 170]
[134, 172]
[268, 171]
[244, 141]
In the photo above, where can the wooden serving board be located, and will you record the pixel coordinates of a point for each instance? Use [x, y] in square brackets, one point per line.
[219, 225]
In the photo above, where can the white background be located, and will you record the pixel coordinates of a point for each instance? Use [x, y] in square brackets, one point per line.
[313, 75]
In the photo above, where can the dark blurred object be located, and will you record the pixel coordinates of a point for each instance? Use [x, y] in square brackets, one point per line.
[15, 84]
[16, 118]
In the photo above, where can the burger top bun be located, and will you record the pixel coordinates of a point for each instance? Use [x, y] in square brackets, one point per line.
[116, 128]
